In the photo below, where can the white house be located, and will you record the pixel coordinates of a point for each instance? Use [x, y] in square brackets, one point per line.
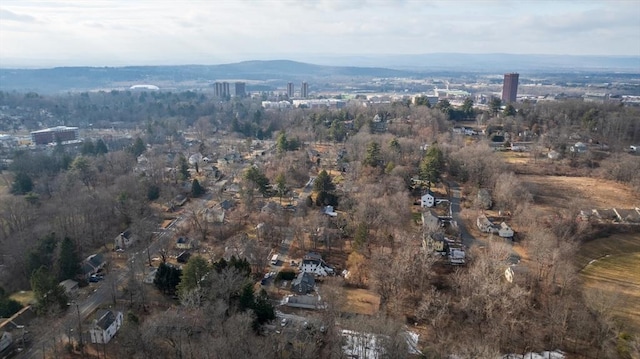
[184, 243]
[505, 231]
[124, 239]
[313, 263]
[428, 199]
[106, 326]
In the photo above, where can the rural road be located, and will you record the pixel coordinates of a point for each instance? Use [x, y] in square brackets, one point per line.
[467, 238]
[103, 293]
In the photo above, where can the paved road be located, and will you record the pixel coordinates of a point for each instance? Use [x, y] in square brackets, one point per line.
[104, 293]
[456, 197]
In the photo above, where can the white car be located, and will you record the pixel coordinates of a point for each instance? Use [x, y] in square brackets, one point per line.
[284, 322]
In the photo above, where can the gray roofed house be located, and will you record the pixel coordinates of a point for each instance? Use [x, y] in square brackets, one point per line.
[93, 264]
[304, 283]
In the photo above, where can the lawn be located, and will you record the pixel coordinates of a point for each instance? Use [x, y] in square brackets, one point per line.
[24, 297]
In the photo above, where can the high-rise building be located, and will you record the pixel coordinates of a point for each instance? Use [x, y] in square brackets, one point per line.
[290, 90]
[304, 90]
[225, 89]
[217, 89]
[510, 87]
[221, 89]
[240, 89]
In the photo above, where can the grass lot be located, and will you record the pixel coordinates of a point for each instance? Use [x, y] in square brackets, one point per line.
[615, 268]
[361, 301]
[24, 297]
[553, 192]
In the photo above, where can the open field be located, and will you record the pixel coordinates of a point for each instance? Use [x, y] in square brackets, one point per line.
[613, 265]
[553, 192]
[361, 301]
[618, 274]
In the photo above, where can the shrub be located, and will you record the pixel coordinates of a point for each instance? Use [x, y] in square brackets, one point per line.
[286, 274]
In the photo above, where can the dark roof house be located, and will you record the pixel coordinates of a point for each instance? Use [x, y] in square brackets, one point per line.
[304, 283]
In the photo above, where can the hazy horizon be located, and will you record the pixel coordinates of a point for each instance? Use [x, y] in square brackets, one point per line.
[35, 34]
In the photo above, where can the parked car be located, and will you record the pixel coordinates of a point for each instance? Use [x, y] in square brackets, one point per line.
[95, 278]
[284, 322]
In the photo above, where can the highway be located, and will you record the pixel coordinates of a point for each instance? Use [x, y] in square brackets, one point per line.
[104, 292]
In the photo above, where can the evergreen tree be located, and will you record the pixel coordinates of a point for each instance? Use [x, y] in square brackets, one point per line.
[88, 149]
[281, 185]
[68, 260]
[282, 144]
[467, 107]
[323, 183]
[101, 147]
[509, 110]
[193, 274]
[183, 168]
[254, 175]
[167, 278]
[22, 184]
[138, 147]
[47, 291]
[196, 189]
[373, 157]
[494, 105]
[432, 165]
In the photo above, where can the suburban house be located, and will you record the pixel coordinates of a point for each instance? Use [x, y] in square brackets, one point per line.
[434, 242]
[313, 263]
[70, 287]
[505, 231]
[430, 220]
[485, 225]
[304, 283]
[184, 243]
[93, 264]
[106, 326]
[456, 253]
[124, 239]
[428, 199]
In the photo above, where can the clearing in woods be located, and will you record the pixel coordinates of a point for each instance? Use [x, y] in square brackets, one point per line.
[612, 264]
[555, 192]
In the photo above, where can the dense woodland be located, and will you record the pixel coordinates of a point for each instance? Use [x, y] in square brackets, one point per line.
[65, 203]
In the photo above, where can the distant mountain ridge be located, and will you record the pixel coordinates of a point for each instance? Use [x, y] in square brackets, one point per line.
[192, 76]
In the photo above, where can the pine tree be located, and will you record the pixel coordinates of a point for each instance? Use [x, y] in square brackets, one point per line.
[196, 189]
[68, 260]
[373, 157]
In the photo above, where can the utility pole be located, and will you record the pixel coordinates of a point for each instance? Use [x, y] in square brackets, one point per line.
[80, 329]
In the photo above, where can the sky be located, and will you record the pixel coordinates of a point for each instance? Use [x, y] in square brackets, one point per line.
[159, 32]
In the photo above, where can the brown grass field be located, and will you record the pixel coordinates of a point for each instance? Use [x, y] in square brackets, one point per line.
[615, 268]
[555, 192]
[361, 301]
[612, 263]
